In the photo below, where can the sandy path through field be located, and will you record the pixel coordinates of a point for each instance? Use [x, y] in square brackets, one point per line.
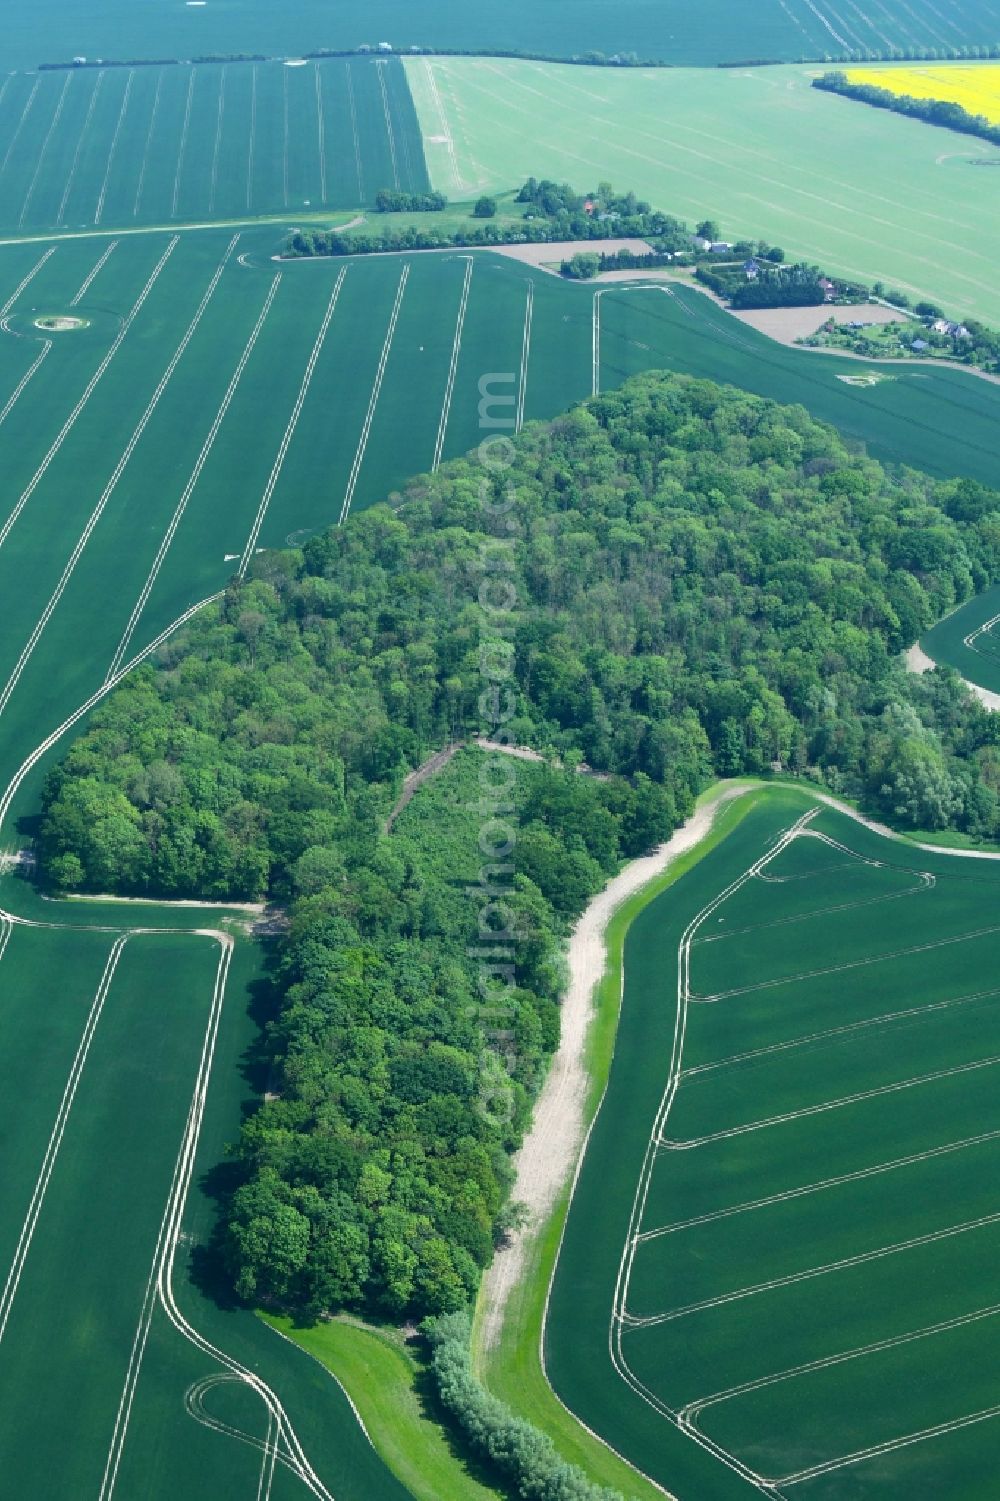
[549, 1154]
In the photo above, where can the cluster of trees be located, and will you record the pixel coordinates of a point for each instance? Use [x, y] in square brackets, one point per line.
[586, 264]
[152, 62]
[521, 1453]
[308, 242]
[909, 54]
[773, 286]
[706, 583]
[932, 111]
[559, 213]
[393, 201]
[558, 200]
[136, 62]
[595, 59]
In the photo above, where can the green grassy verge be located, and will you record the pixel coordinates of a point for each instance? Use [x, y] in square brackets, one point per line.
[513, 1369]
[458, 215]
[384, 1381]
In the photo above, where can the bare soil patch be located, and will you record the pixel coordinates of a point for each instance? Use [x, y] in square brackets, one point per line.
[786, 324]
[554, 251]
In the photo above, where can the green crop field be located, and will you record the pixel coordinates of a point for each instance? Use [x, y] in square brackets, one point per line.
[787, 1220]
[116, 147]
[969, 640]
[211, 402]
[713, 31]
[216, 402]
[861, 192]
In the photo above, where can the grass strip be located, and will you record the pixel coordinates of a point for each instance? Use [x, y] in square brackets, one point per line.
[513, 1369]
[391, 1390]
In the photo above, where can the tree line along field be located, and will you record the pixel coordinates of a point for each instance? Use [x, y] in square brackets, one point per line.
[860, 192]
[105, 147]
[215, 402]
[717, 31]
[777, 1275]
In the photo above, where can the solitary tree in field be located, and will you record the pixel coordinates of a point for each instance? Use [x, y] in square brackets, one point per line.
[485, 208]
[584, 265]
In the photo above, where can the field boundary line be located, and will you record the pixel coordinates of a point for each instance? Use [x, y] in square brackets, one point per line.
[404, 143]
[891, 1445]
[220, 116]
[284, 149]
[359, 455]
[320, 131]
[182, 148]
[432, 85]
[56, 1135]
[354, 132]
[193, 479]
[26, 281]
[25, 380]
[252, 144]
[110, 487]
[380, 69]
[71, 175]
[53, 123]
[168, 1227]
[889, 1166]
[88, 391]
[456, 346]
[809, 1038]
[522, 383]
[842, 1101]
[91, 277]
[923, 881]
[20, 126]
[149, 140]
[99, 211]
[293, 423]
[836, 969]
[792, 1279]
[616, 1323]
[690, 1413]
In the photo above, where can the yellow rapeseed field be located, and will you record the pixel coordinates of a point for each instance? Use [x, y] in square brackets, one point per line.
[976, 89]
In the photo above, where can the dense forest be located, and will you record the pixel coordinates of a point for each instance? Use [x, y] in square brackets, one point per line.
[706, 583]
